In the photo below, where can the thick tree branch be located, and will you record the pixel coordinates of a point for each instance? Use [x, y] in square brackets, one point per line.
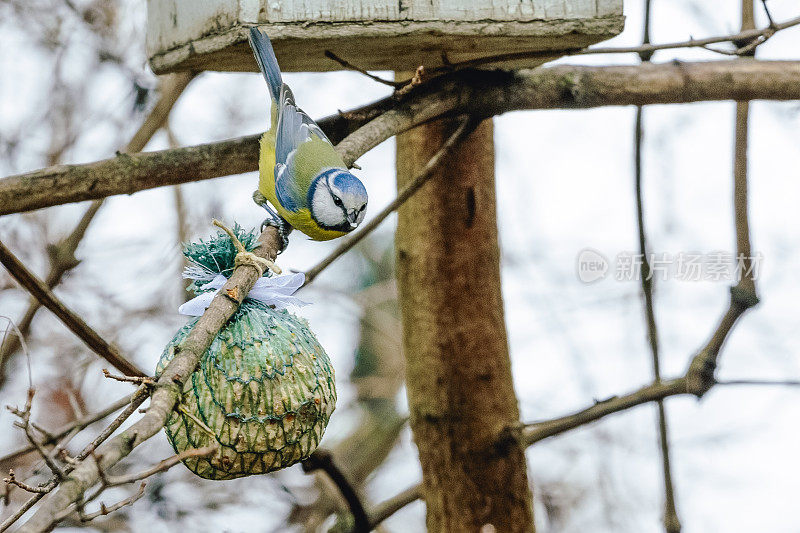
[165, 395]
[479, 93]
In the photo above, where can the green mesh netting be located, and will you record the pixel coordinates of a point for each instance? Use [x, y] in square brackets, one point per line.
[264, 388]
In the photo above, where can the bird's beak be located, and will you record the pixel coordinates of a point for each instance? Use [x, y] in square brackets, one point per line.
[352, 218]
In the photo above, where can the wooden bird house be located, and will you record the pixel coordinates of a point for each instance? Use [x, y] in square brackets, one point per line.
[374, 34]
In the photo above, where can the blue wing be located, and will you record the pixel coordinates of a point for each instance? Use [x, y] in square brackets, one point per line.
[294, 127]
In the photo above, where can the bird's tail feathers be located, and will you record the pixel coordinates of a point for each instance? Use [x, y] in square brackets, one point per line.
[265, 55]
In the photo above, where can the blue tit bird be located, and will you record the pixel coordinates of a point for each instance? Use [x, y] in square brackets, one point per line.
[300, 173]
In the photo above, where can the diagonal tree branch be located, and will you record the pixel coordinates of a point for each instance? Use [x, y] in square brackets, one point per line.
[72, 320]
[532, 433]
[478, 93]
[387, 508]
[408, 191]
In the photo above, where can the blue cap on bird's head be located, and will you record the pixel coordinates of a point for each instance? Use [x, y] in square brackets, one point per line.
[338, 200]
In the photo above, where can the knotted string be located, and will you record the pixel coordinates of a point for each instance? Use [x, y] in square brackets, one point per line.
[243, 257]
[276, 291]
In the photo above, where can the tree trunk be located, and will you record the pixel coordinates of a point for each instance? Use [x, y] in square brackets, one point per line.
[460, 388]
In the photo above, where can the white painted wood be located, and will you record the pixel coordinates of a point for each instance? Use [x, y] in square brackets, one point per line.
[377, 34]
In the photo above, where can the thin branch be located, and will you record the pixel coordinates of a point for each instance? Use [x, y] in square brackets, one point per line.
[385, 509]
[769, 15]
[24, 415]
[350, 66]
[136, 400]
[532, 433]
[746, 273]
[408, 191]
[671, 521]
[19, 513]
[40, 291]
[466, 92]
[162, 466]
[699, 377]
[761, 382]
[743, 296]
[117, 506]
[12, 480]
[323, 460]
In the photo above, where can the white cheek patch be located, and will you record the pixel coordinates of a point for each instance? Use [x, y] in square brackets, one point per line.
[325, 211]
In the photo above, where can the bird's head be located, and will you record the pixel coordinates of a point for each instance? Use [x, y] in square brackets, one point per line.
[338, 200]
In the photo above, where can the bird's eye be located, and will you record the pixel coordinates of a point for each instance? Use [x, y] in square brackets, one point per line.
[363, 207]
[337, 201]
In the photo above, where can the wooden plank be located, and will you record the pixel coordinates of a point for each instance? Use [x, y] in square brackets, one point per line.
[376, 34]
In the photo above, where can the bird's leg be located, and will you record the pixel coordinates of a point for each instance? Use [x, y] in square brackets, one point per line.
[277, 221]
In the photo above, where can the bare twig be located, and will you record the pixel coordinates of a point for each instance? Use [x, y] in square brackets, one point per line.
[760, 382]
[744, 294]
[350, 66]
[162, 466]
[202, 425]
[323, 460]
[24, 508]
[535, 432]
[24, 415]
[11, 480]
[408, 191]
[746, 273]
[699, 377]
[104, 510]
[481, 94]
[385, 509]
[40, 291]
[136, 400]
[139, 380]
[772, 23]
